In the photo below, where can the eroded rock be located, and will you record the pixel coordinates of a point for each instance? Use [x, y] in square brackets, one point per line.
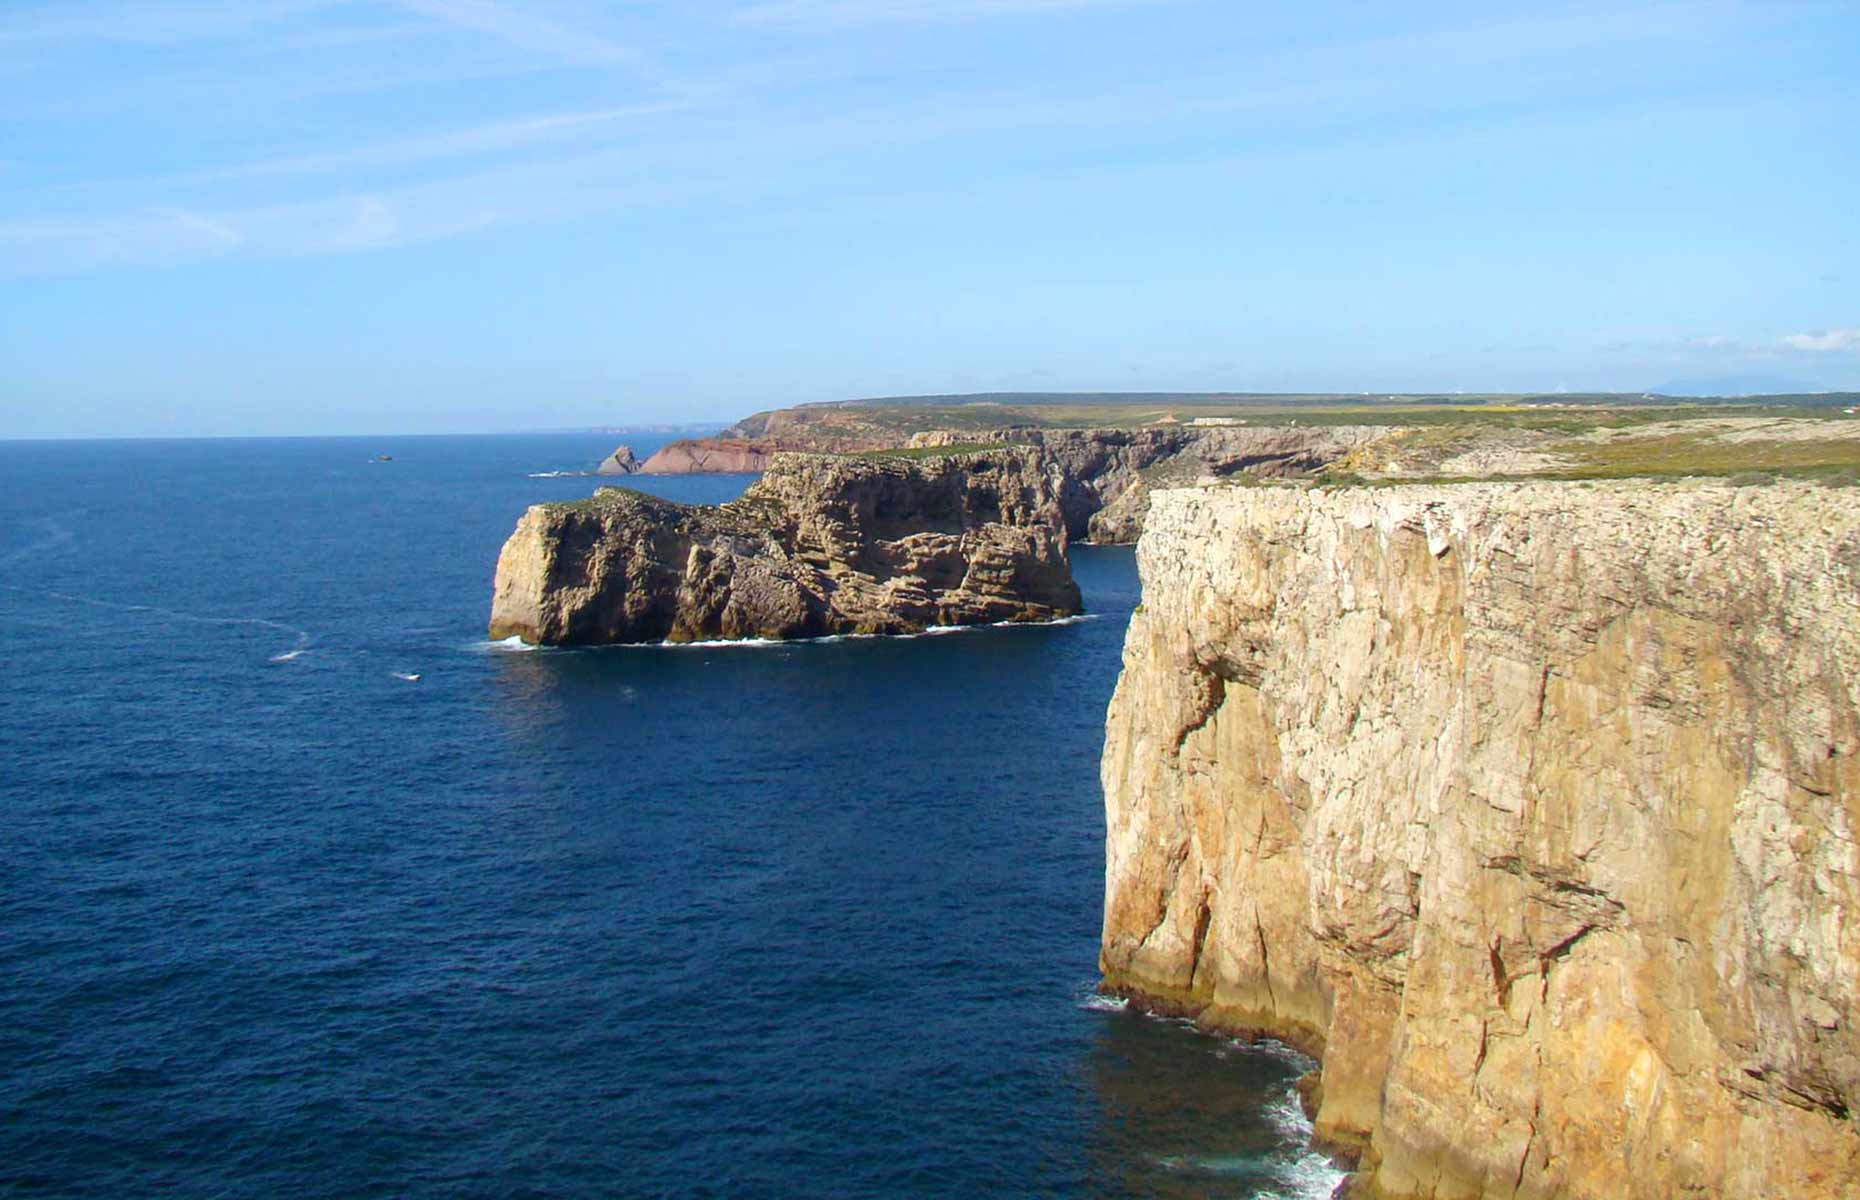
[818, 546]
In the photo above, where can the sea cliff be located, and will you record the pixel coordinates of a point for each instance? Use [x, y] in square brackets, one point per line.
[1529, 808]
[820, 545]
[1102, 477]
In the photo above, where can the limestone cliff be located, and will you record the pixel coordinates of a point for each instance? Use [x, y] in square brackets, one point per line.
[1531, 808]
[818, 546]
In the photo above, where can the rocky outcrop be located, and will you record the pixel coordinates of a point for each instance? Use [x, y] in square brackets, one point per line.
[709, 456]
[748, 445]
[1530, 808]
[1103, 476]
[818, 546]
[620, 462]
[1108, 473]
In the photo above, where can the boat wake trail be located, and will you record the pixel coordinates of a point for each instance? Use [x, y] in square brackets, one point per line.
[55, 536]
[299, 647]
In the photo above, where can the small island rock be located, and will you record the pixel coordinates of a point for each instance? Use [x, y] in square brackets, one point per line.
[620, 462]
[819, 546]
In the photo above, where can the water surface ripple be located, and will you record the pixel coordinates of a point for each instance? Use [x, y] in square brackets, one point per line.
[278, 918]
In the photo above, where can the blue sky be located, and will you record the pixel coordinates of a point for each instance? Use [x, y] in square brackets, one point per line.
[318, 216]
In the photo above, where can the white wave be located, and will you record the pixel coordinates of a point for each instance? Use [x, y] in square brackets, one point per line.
[832, 638]
[1099, 1002]
[1287, 1116]
[556, 474]
[1277, 1175]
[1074, 619]
[409, 676]
[1314, 1177]
[516, 645]
[288, 656]
[1274, 1048]
[1294, 1171]
[1311, 1173]
[510, 645]
[721, 644]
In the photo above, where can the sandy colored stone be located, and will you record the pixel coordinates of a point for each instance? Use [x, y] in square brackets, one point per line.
[1530, 807]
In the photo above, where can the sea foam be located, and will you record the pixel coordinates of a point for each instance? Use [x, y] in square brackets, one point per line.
[510, 645]
[833, 638]
[1099, 1002]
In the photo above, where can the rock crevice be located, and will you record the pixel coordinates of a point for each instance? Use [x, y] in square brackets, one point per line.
[818, 546]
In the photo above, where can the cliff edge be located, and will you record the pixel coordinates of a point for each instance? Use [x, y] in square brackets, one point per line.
[1528, 807]
[818, 546]
[1102, 476]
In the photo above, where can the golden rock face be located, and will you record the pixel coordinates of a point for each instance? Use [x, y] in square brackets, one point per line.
[818, 546]
[1531, 808]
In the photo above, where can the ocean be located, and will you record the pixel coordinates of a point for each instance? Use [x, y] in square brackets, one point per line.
[308, 890]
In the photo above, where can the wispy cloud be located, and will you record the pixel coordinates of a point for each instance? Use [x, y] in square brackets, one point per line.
[772, 126]
[1825, 341]
[147, 21]
[1718, 346]
[498, 136]
[152, 238]
[345, 222]
[871, 12]
[162, 237]
[525, 28]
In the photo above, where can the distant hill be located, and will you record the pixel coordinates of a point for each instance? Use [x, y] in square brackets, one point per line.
[1739, 386]
[1144, 399]
[1728, 390]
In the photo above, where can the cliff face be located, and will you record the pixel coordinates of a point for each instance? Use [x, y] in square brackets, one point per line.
[818, 546]
[1102, 476]
[1108, 473]
[1530, 807]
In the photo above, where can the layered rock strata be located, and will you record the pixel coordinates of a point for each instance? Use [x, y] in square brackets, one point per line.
[709, 456]
[818, 546]
[1530, 808]
[621, 462]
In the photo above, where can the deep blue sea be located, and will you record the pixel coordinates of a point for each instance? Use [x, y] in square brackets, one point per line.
[278, 919]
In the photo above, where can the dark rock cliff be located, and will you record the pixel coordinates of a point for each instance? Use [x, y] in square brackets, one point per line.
[819, 546]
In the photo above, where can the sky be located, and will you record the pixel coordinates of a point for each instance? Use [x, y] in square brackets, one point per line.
[380, 216]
